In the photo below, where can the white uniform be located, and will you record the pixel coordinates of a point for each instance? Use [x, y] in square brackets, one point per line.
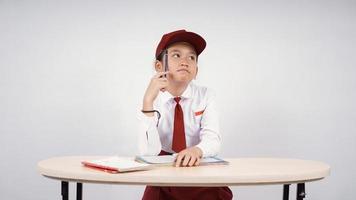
[200, 123]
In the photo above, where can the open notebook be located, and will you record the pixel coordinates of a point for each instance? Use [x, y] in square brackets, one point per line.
[116, 164]
[170, 159]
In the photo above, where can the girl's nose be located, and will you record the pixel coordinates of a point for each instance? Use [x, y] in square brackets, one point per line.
[184, 62]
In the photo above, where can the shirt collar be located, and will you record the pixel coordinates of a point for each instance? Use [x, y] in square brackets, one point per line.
[187, 92]
[166, 96]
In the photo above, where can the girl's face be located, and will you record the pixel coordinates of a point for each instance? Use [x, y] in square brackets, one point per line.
[182, 63]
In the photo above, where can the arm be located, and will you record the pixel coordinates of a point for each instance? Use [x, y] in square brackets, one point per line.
[148, 139]
[210, 138]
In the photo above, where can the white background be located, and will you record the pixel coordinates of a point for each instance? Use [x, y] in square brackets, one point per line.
[73, 73]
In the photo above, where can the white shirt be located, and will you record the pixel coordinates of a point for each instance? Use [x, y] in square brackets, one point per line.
[200, 123]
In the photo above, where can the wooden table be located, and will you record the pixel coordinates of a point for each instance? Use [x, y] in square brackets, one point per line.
[240, 171]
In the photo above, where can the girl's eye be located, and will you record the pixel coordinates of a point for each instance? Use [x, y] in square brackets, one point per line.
[175, 55]
[192, 57]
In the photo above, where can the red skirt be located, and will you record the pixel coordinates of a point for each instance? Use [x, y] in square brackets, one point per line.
[186, 193]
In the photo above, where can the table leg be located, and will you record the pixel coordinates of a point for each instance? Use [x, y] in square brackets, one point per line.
[286, 191]
[65, 190]
[300, 191]
[79, 191]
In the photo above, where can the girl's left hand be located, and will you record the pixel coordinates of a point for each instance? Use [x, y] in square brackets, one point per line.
[189, 157]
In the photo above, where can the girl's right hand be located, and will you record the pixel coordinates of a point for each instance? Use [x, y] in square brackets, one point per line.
[157, 83]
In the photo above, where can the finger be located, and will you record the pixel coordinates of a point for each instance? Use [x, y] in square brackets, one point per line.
[163, 80]
[197, 163]
[162, 85]
[162, 77]
[159, 74]
[179, 159]
[159, 79]
[192, 161]
[186, 159]
[162, 73]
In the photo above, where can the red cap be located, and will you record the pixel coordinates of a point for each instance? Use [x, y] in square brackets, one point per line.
[194, 39]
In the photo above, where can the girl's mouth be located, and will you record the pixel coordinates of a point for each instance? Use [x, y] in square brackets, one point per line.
[183, 70]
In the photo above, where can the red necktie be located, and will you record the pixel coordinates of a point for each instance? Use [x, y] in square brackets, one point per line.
[178, 143]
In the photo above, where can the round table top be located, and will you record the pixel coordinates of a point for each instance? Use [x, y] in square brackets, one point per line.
[240, 171]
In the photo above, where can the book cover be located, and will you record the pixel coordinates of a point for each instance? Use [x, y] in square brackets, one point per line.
[116, 164]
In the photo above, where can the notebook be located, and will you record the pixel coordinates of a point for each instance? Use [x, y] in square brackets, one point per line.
[116, 164]
[170, 159]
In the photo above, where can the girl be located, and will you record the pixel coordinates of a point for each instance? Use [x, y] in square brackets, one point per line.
[178, 116]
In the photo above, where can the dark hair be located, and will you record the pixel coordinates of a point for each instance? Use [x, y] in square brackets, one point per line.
[160, 56]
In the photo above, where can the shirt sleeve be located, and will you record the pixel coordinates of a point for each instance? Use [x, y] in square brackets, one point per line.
[210, 138]
[149, 143]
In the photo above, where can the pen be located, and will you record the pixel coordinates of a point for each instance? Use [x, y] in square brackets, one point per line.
[165, 61]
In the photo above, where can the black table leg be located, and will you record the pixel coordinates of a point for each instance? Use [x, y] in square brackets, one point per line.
[286, 191]
[300, 191]
[65, 190]
[79, 191]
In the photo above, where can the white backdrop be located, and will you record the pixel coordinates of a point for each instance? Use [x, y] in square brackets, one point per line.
[72, 76]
